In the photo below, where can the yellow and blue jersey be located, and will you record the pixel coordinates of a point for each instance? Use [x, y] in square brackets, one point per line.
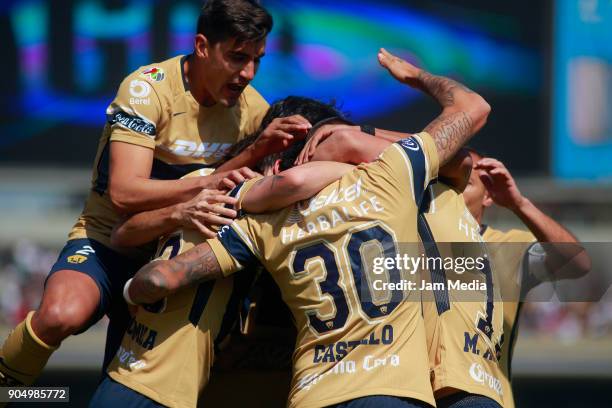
[509, 251]
[168, 350]
[464, 327]
[154, 108]
[320, 252]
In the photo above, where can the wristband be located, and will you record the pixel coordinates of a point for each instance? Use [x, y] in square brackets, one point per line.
[370, 130]
[126, 293]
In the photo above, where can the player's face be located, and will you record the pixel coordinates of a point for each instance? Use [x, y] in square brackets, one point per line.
[230, 66]
[475, 193]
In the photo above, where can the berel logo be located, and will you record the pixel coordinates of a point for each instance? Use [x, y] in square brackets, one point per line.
[139, 89]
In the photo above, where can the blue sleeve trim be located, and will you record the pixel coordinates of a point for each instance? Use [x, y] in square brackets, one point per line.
[415, 153]
[236, 246]
[235, 190]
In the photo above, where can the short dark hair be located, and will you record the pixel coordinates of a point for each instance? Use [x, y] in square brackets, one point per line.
[312, 110]
[245, 20]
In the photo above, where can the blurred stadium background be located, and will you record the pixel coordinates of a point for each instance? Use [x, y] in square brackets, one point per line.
[545, 67]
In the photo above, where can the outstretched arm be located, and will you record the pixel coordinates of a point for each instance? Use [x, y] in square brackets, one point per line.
[131, 190]
[565, 257]
[159, 279]
[292, 185]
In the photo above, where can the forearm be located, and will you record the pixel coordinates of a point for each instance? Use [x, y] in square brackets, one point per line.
[138, 194]
[159, 279]
[390, 135]
[146, 226]
[565, 257]
[544, 228]
[292, 185]
[351, 147]
[463, 113]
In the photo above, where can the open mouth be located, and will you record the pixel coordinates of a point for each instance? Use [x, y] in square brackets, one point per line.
[236, 88]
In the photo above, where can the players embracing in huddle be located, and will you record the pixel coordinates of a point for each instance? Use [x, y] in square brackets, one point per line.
[331, 197]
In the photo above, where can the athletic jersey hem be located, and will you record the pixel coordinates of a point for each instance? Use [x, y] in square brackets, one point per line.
[147, 392]
[138, 253]
[458, 385]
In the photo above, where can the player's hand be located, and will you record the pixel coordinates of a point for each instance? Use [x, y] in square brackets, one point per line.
[281, 133]
[205, 210]
[400, 69]
[227, 180]
[317, 138]
[499, 182]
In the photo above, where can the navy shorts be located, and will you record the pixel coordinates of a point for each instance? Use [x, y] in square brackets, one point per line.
[466, 400]
[382, 401]
[110, 270]
[110, 393]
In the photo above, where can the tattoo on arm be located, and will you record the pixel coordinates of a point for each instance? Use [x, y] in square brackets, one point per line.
[450, 132]
[441, 88]
[195, 265]
[159, 279]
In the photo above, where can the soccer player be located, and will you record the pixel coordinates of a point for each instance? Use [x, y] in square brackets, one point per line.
[167, 119]
[544, 251]
[350, 350]
[463, 328]
[167, 352]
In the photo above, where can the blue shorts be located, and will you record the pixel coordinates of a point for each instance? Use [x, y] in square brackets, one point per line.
[382, 401]
[466, 400]
[110, 270]
[110, 393]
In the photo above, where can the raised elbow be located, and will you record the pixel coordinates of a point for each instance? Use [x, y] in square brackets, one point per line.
[156, 282]
[479, 111]
[293, 181]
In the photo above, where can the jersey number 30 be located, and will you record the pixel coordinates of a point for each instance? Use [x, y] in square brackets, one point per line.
[329, 285]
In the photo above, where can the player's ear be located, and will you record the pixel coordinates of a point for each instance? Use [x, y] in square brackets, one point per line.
[201, 46]
[276, 168]
[487, 201]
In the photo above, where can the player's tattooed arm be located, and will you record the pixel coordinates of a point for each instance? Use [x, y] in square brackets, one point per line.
[159, 279]
[464, 112]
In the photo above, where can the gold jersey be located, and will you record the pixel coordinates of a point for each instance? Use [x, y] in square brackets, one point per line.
[508, 250]
[320, 253]
[464, 325]
[168, 349]
[154, 108]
